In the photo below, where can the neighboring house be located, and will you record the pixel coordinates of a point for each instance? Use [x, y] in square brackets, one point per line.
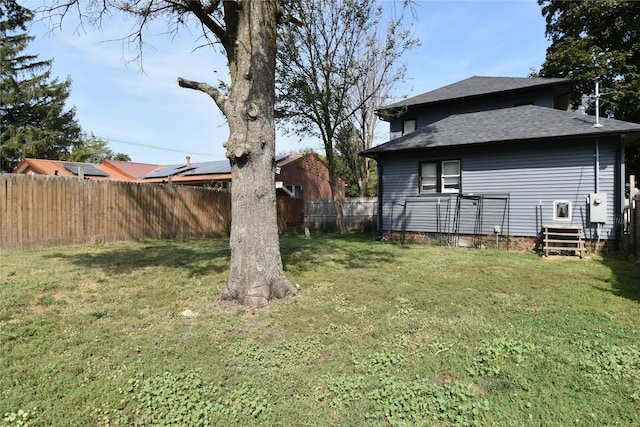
[306, 176]
[301, 175]
[108, 170]
[203, 174]
[500, 155]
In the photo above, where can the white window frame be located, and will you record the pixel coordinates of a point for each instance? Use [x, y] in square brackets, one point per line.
[443, 186]
[295, 189]
[436, 182]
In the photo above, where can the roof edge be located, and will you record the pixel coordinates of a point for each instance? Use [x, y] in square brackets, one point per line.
[544, 82]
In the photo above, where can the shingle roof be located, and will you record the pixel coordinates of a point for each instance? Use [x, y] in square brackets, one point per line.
[476, 86]
[508, 124]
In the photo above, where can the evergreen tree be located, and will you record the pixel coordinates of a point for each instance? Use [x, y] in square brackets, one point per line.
[33, 118]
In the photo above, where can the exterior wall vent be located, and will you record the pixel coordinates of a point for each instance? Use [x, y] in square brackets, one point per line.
[562, 210]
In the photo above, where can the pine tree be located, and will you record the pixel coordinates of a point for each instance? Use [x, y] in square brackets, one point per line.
[33, 118]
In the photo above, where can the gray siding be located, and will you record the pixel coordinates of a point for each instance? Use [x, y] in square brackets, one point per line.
[534, 177]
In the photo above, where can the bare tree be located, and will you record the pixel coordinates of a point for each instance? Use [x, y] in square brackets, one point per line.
[337, 64]
[246, 31]
[371, 91]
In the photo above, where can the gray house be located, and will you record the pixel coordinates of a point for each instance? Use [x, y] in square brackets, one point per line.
[501, 157]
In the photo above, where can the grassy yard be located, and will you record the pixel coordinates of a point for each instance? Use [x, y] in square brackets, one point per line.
[381, 334]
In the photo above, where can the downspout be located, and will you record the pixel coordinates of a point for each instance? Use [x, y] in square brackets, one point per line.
[597, 171]
[380, 194]
[619, 182]
[597, 178]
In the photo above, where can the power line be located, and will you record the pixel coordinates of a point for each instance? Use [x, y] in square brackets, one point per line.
[155, 147]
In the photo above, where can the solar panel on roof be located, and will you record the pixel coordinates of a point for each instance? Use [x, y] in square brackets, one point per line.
[209, 168]
[169, 171]
[89, 170]
[203, 168]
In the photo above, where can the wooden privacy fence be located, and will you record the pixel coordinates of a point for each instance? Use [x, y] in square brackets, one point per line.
[359, 212]
[289, 213]
[46, 211]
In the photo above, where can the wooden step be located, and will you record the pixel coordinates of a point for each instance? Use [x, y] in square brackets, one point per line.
[562, 240]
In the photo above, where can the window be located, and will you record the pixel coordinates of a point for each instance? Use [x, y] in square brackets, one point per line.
[451, 176]
[561, 210]
[296, 190]
[408, 126]
[429, 178]
[440, 177]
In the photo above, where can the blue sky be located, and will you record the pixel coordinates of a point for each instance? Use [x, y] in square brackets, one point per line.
[146, 115]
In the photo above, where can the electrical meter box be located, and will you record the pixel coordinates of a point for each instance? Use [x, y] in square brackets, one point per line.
[598, 207]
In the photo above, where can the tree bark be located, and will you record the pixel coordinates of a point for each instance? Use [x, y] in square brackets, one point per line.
[338, 205]
[363, 180]
[256, 275]
[336, 194]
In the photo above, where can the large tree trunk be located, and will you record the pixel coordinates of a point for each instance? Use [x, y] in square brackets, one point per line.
[256, 275]
[338, 205]
[336, 194]
[363, 180]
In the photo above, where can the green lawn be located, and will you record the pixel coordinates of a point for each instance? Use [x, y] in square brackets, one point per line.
[381, 334]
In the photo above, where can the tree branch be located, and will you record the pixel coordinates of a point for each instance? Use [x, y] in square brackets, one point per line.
[219, 97]
[207, 21]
